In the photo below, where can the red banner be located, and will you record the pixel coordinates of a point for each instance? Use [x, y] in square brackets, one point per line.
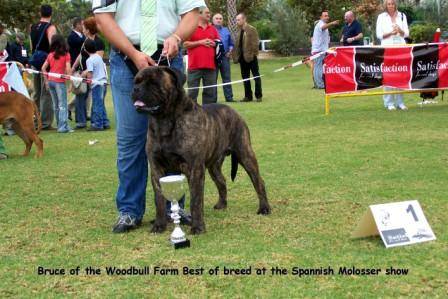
[418, 67]
[3, 71]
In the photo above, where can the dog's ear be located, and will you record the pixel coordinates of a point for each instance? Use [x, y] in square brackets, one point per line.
[179, 77]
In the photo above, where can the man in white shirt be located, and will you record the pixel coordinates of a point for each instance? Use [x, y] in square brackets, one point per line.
[321, 42]
[119, 21]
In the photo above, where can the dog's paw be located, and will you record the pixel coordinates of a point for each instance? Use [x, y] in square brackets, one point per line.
[158, 227]
[198, 229]
[264, 210]
[220, 205]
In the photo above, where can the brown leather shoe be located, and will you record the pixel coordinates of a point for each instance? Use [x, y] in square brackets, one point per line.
[246, 100]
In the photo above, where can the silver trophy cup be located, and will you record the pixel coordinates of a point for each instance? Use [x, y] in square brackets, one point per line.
[173, 188]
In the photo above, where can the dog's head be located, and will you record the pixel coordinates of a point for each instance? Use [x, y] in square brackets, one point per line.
[158, 90]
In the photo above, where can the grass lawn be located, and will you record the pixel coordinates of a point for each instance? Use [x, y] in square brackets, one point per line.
[321, 173]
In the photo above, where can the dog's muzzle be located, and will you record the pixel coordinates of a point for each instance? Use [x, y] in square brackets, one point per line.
[142, 108]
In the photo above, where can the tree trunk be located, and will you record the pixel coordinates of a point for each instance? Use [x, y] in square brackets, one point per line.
[231, 15]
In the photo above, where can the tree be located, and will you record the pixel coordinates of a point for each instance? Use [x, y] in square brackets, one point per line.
[19, 14]
[232, 12]
[369, 10]
[230, 9]
[65, 11]
[290, 27]
[312, 8]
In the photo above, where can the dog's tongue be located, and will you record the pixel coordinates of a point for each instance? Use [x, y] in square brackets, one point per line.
[139, 104]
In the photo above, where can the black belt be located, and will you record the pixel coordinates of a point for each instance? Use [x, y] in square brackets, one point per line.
[130, 64]
[137, 47]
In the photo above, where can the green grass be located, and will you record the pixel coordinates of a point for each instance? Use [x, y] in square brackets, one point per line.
[321, 175]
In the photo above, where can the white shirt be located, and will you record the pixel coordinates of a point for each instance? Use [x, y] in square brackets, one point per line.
[78, 33]
[321, 38]
[127, 15]
[384, 25]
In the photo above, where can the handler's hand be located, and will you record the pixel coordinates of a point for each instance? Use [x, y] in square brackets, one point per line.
[170, 47]
[207, 42]
[141, 60]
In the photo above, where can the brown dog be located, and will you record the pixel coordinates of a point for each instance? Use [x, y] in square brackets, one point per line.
[19, 111]
[185, 137]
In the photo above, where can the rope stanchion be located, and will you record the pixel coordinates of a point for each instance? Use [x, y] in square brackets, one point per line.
[89, 81]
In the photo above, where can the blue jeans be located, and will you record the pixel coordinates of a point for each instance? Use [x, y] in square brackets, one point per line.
[98, 118]
[132, 127]
[318, 72]
[224, 69]
[58, 93]
[81, 109]
[106, 121]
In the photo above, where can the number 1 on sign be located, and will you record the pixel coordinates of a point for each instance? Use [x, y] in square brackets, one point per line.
[411, 210]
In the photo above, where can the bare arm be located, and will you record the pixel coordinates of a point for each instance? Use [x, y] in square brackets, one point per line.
[68, 71]
[352, 39]
[50, 32]
[185, 28]
[44, 69]
[328, 25]
[203, 42]
[68, 68]
[76, 63]
[114, 34]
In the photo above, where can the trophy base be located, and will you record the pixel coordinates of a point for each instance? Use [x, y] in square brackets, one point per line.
[182, 244]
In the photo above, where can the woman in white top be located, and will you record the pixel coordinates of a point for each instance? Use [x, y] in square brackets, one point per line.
[391, 29]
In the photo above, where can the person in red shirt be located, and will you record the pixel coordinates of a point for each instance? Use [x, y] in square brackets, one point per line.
[201, 59]
[58, 61]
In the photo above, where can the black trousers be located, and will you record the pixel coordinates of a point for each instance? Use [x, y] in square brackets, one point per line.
[246, 69]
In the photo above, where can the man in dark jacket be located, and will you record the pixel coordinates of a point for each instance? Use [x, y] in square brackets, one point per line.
[18, 51]
[75, 39]
[246, 52]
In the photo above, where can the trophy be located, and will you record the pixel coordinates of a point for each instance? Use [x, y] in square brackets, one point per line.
[173, 188]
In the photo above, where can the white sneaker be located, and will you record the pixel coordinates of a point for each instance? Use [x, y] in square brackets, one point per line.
[402, 107]
[391, 108]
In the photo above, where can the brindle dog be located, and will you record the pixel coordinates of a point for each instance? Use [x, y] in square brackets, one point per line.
[188, 138]
[21, 112]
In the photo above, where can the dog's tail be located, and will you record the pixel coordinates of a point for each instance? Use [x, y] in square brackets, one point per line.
[234, 168]
[37, 118]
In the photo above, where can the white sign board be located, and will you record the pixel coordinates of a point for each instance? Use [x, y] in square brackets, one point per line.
[398, 224]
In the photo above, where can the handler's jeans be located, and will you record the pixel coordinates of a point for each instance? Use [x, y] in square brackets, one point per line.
[132, 163]
[318, 72]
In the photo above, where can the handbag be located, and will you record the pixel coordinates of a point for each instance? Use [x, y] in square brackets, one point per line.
[219, 52]
[79, 87]
[38, 58]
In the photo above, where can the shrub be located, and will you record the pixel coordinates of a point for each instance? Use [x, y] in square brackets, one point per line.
[422, 33]
[292, 31]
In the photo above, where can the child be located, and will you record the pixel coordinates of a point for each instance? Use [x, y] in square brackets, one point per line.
[59, 62]
[96, 70]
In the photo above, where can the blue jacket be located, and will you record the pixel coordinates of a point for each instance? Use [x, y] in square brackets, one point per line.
[226, 38]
